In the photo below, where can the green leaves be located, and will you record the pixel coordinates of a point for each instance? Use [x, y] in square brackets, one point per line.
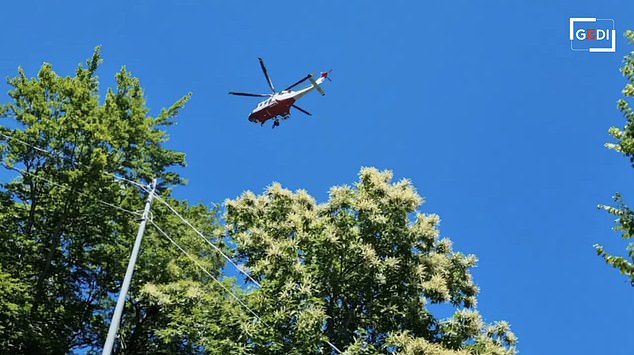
[355, 272]
[64, 248]
[625, 145]
[360, 268]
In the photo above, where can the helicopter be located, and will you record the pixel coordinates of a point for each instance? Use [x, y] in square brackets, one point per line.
[278, 104]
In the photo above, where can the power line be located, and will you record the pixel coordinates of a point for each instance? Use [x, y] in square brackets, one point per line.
[208, 242]
[68, 188]
[221, 253]
[121, 178]
[157, 197]
[31, 145]
[220, 283]
[206, 271]
[59, 155]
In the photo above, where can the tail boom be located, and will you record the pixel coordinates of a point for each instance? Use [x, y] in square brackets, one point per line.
[319, 81]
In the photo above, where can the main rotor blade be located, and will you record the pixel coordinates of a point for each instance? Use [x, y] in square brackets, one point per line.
[299, 82]
[248, 94]
[301, 109]
[266, 74]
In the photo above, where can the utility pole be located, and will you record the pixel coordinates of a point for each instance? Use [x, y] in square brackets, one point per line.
[116, 317]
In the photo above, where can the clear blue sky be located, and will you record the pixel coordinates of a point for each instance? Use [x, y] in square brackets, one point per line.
[481, 104]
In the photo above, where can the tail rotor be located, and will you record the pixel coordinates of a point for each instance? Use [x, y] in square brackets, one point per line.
[326, 75]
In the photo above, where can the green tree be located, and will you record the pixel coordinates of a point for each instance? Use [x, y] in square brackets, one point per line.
[358, 272]
[65, 227]
[624, 144]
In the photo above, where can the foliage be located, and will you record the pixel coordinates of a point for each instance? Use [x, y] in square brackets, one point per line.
[625, 145]
[358, 272]
[63, 246]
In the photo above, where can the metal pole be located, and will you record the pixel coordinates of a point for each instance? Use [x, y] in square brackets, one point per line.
[116, 317]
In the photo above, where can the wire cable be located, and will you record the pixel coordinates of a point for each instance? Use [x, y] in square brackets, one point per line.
[59, 155]
[205, 270]
[220, 283]
[68, 188]
[208, 242]
[30, 145]
[145, 188]
[121, 178]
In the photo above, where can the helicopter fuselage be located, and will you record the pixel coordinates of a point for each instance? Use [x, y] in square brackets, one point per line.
[279, 104]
